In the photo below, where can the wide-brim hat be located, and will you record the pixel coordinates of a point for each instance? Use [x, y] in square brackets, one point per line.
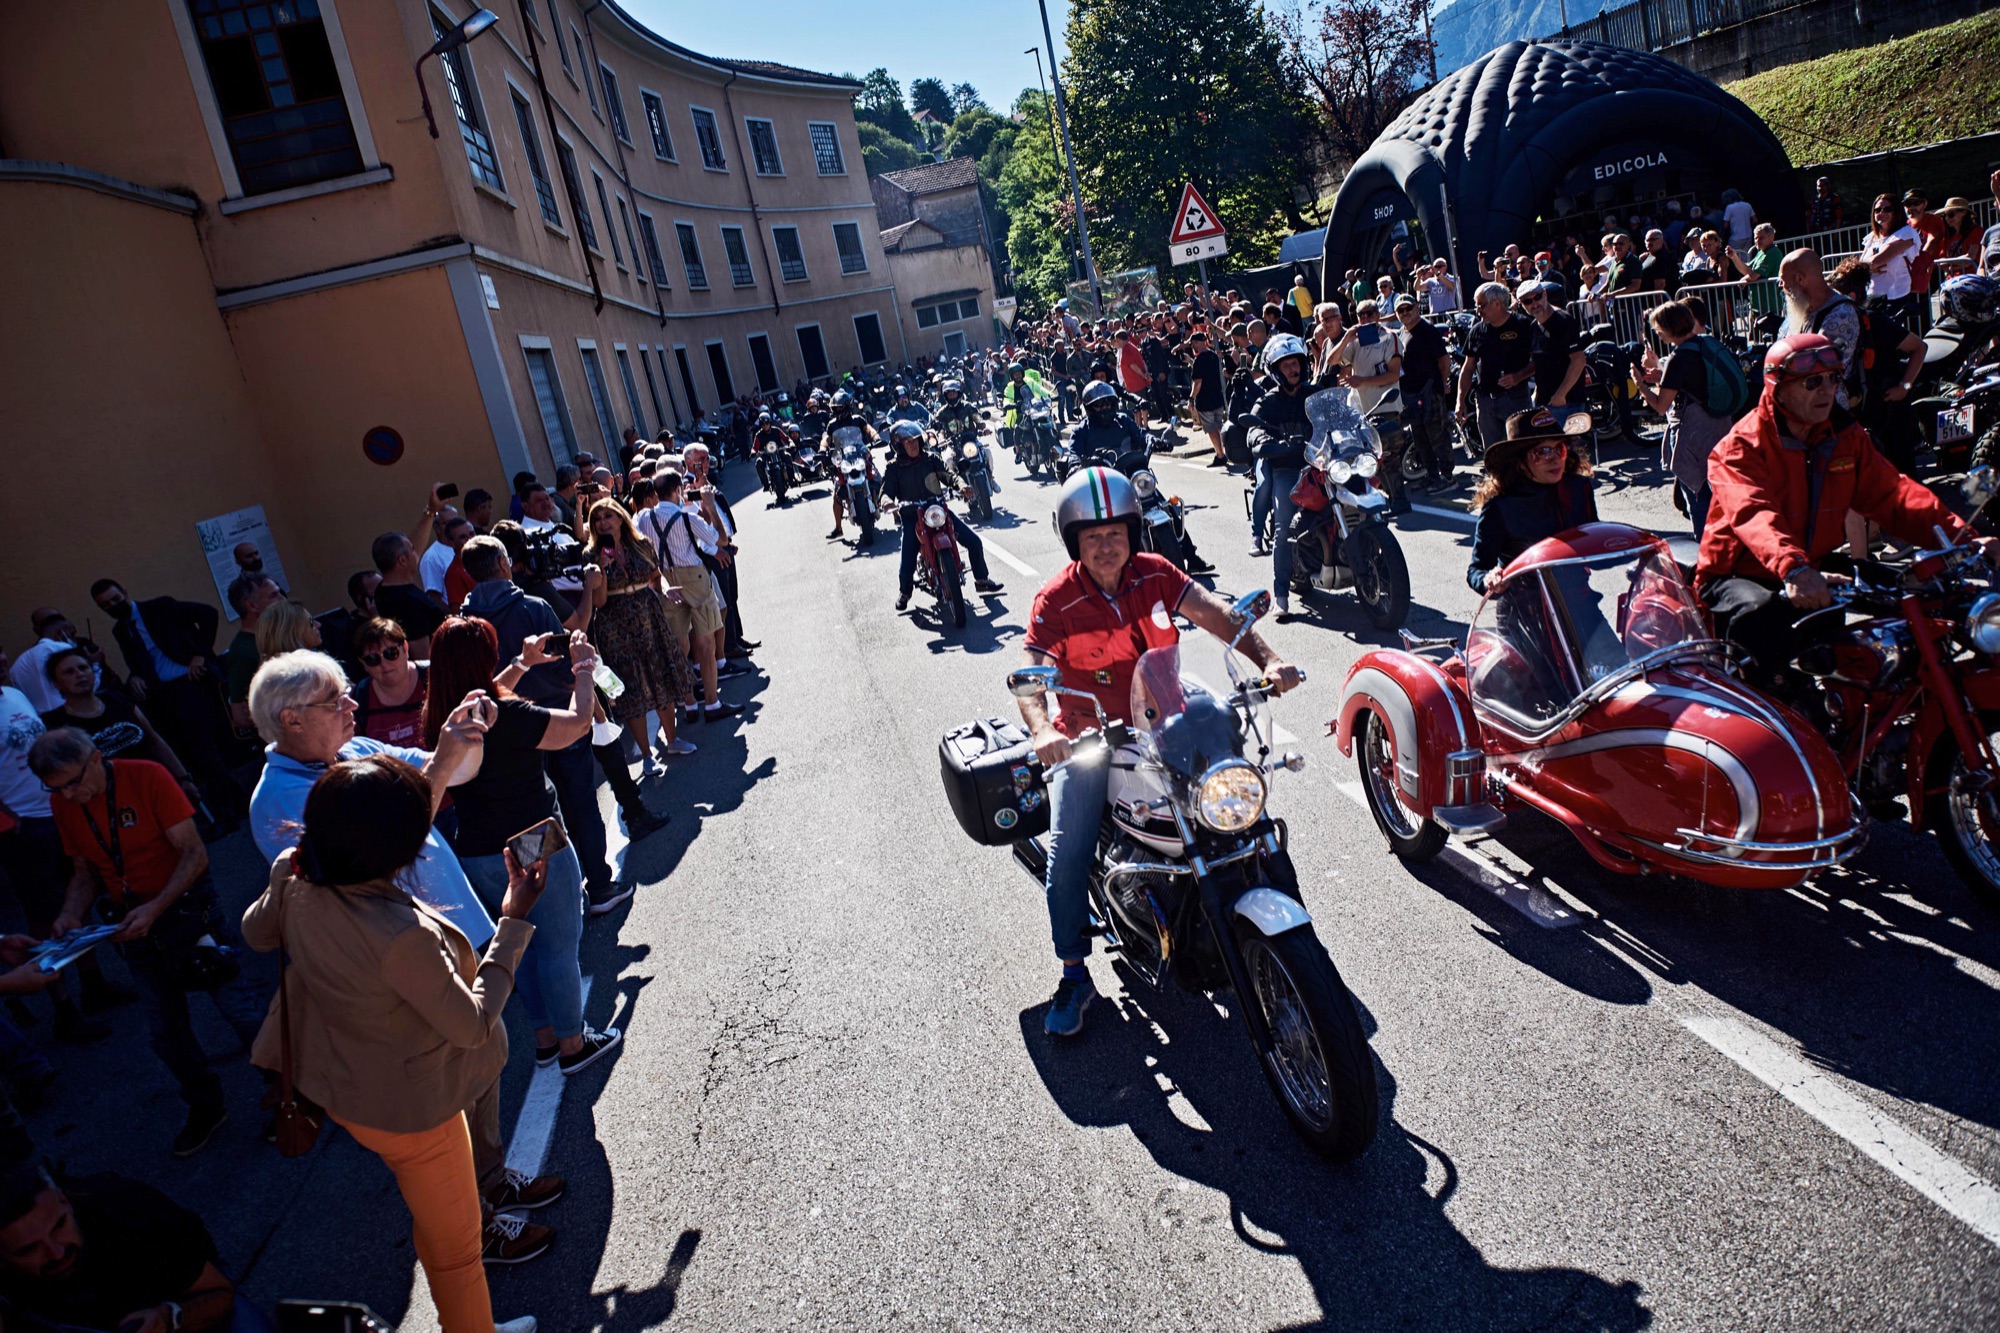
[1532, 427]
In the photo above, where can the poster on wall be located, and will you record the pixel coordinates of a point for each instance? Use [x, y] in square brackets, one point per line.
[224, 537]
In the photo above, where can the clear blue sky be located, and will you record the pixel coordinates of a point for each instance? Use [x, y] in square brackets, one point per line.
[982, 43]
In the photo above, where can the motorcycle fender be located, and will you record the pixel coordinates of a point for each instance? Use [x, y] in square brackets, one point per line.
[1982, 696]
[1371, 501]
[1272, 912]
[1425, 711]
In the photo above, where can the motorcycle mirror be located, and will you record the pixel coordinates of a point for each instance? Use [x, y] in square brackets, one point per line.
[1981, 486]
[1029, 681]
[1251, 606]
[1577, 423]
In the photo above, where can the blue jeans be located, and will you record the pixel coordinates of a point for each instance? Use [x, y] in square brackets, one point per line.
[1076, 808]
[968, 541]
[550, 982]
[573, 770]
[1260, 504]
[1282, 481]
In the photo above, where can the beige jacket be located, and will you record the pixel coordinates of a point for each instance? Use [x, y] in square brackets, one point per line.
[395, 1021]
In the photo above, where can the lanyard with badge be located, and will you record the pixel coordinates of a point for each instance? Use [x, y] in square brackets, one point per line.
[111, 847]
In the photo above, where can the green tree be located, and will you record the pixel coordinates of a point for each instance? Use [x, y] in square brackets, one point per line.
[1033, 193]
[964, 98]
[930, 95]
[1163, 91]
[1362, 61]
[882, 151]
[881, 103]
[972, 133]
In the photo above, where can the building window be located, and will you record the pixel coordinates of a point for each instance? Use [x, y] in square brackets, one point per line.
[562, 47]
[710, 141]
[534, 15]
[567, 160]
[471, 125]
[764, 146]
[549, 403]
[538, 167]
[654, 260]
[615, 105]
[812, 351]
[868, 337]
[600, 398]
[625, 225]
[826, 147]
[652, 386]
[631, 389]
[791, 259]
[763, 363]
[847, 239]
[656, 124]
[691, 257]
[687, 382]
[604, 203]
[277, 90]
[946, 312]
[583, 62]
[718, 366]
[739, 258]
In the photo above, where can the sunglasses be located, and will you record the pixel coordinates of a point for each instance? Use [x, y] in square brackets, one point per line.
[1816, 358]
[1533, 298]
[393, 653]
[1547, 453]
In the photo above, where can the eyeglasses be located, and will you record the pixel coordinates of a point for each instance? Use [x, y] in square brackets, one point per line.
[1547, 453]
[336, 703]
[393, 653]
[1533, 298]
[1811, 359]
[65, 788]
[1885, 209]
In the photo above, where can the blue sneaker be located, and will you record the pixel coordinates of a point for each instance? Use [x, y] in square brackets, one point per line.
[1066, 1009]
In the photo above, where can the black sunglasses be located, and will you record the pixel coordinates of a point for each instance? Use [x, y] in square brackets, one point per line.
[393, 653]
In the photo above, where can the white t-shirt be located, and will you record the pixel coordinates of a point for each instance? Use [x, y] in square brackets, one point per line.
[1893, 281]
[1742, 222]
[31, 674]
[1369, 351]
[20, 727]
[431, 568]
[1441, 293]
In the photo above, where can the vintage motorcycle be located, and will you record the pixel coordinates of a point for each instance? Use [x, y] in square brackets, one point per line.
[1589, 689]
[1192, 882]
[1163, 525]
[1035, 439]
[970, 464]
[940, 567]
[774, 467]
[1340, 535]
[856, 476]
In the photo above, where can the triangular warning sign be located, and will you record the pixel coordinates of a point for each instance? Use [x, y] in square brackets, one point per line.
[1194, 220]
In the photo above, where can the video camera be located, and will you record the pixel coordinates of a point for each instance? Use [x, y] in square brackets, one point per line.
[550, 556]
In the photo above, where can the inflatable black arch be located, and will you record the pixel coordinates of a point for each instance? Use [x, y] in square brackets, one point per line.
[1483, 153]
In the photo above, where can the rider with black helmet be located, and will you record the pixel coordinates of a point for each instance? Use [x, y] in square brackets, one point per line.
[843, 415]
[1093, 621]
[1106, 433]
[769, 431]
[1279, 432]
[905, 410]
[914, 475]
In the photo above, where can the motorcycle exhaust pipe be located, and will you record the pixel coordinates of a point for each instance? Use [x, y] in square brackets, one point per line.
[1032, 857]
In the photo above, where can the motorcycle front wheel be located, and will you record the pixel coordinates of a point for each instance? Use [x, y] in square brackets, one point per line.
[1381, 576]
[1966, 819]
[951, 589]
[982, 503]
[1320, 1066]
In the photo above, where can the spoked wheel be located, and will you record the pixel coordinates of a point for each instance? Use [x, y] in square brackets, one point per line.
[1381, 577]
[1411, 836]
[1967, 816]
[951, 588]
[1320, 1066]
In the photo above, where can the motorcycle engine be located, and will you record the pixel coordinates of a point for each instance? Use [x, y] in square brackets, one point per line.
[1146, 904]
[1882, 776]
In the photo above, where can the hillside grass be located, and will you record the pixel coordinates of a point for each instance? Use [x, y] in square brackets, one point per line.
[1942, 83]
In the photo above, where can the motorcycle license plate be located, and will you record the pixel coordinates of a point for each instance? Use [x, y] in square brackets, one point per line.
[1158, 517]
[1954, 424]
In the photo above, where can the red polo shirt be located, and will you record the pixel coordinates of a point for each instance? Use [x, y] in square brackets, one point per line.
[149, 803]
[1097, 638]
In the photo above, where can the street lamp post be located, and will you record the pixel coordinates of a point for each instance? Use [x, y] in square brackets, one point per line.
[478, 21]
[1069, 154]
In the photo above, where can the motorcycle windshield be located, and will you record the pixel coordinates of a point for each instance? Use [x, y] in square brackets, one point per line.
[843, 436]
[1184, 726]
[1553, 631]
[1339, 429]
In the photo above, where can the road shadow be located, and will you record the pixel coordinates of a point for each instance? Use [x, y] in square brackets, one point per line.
[1371, 1236]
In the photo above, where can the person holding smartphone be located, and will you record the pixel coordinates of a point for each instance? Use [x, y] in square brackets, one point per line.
[509, 793]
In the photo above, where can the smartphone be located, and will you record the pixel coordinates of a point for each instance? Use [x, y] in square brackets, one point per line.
[538, 843]
[448, 491]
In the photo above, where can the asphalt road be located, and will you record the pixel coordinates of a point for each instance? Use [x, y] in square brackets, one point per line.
[1605, 1104]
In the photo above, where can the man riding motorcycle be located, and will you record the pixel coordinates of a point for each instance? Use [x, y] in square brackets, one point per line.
[844, 414]
[909, 480]
[956, 420]
[1782, 483]
[768, 430]
[1093, 621]
[1106, 432]
[1017, 395]
[905, 410]
[1279, 433]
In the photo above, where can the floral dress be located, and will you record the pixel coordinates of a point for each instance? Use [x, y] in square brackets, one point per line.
[634, 639]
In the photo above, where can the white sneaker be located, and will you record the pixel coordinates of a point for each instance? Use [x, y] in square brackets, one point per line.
[525, 1324]
[652, 769]
[678, 745]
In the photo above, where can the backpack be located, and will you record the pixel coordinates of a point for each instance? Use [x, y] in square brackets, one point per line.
[1727, 393]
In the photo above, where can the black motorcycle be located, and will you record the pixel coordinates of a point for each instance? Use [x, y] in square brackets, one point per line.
[1954, 401]
[966, 457]
[774, 469]
[1163, 518]
[1192, 882]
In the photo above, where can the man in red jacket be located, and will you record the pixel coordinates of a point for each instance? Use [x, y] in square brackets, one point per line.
[1783, 481]
[1131, 364]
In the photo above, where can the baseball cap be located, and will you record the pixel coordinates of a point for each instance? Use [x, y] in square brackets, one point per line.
[1405, 301]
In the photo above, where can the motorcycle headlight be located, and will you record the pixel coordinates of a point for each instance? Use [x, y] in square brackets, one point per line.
[1364, 465]
[770, 446]
[1145, 483]
[969, 449]
[935, 517]
[1982, 627]
[1230, 797]
[1338, 471]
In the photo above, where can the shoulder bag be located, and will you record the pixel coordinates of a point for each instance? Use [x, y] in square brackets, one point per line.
[296, 1120]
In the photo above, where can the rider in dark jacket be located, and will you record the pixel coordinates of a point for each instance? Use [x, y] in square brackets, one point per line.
[1536, 485]
[1108, 436]
[845, 416]
[913, 476]
[1279, 433]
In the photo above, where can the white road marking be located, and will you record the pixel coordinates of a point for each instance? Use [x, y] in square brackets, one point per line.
[528, 1150]
[1456, 515]
[1939, 1177]
[1008, 558]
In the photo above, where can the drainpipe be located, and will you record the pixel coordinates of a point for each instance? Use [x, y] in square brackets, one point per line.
[618, 149]
[750, 193]
[574, 189]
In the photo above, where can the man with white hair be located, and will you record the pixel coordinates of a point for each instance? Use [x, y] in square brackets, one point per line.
[1493, 384]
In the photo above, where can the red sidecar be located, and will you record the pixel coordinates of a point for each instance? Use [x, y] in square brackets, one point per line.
[1589, 689]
